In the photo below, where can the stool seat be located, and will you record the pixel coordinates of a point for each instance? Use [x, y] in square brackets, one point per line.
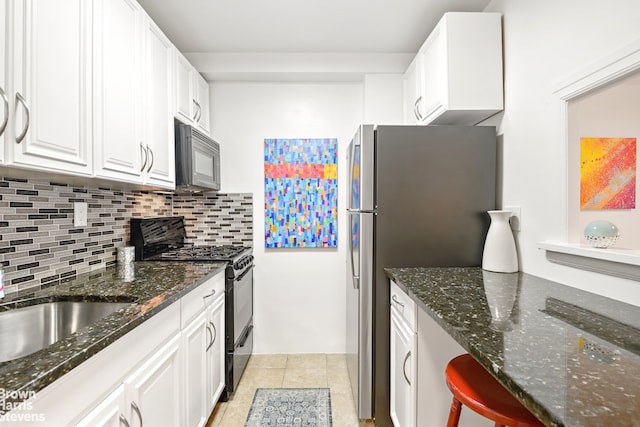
[474, 387]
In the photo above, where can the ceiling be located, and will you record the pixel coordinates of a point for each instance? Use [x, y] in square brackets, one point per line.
[295, 26]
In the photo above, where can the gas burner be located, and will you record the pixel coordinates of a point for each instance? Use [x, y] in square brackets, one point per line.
[204, 253]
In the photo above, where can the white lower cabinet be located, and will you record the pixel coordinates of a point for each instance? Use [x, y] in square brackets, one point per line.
[109, 413]
[403, 360]
[150, 396]
[194, 342]
[216, 353]
[203, 349]
[420, 351]
[154, 389]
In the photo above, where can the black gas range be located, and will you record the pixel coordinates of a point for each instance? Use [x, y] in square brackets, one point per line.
[163, 239]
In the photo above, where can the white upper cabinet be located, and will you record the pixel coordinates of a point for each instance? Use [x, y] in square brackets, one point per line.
[202, 101]
[411, 94]
[50, 90]
[185, 106]
[459, 71]
[158, 107]
[4, 98]
[192, 95]
[133, 105]
[119, 148]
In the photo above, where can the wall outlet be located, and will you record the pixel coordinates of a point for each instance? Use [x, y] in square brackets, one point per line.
[80, 214]
[516, 217]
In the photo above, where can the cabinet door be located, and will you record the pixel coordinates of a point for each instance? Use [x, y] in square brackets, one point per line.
[202, 103]
[154, 390]
[109, 413]
[433, 77]
[195, 339]
[4, 89]
[158, 112]
[52, 85]
[403, 372]
[215, 353]
[185, 106]
[117, 95]
[411, 97]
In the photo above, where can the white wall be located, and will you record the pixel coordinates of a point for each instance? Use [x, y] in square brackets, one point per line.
[299, 294]
[546, 42]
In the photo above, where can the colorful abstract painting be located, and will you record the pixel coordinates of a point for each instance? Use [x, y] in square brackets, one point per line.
[607, 173]
[301, 193]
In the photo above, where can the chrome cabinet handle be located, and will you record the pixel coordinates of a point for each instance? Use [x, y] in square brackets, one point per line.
[195, 113]
[22, 101]
[123, 421]
[404, 364]
[210, 336]
[5, 101]
[137, 411]
[416, 108]
[213, 292]
[144, 154]
[214, 335]
[150, 154]
[394, 298]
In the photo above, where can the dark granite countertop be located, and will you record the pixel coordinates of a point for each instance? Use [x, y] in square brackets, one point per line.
[156, 285]
[572, 357]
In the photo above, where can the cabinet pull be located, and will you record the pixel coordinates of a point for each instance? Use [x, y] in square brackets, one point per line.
[404, 364]
[213, 292]
[123, 421]
[22, 101]
[5, 101]
[150, 154]
[214, 335]
[144, 154]
[394, 298]
[210, 336]
[137, 411]
[195, 112]
[416, 108]
[199, 111]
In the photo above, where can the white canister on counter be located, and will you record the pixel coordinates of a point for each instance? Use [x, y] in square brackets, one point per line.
[125, 257]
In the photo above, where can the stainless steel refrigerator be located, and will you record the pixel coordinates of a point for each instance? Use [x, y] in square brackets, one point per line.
[418, 197]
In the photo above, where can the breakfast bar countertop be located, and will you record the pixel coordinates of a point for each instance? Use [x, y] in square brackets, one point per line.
[570, 356]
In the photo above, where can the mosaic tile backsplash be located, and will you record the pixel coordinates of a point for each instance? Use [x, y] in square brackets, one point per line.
[39, 243]
[222, 219]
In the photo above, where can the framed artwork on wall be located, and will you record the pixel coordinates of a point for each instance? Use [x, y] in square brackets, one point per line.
[607, 173]
[301, 193]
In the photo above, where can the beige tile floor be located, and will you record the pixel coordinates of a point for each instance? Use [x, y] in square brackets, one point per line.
[290, 371]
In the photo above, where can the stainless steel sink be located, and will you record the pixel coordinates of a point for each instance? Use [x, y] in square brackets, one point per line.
[26, 330]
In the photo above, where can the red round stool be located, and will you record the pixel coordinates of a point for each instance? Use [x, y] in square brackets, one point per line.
[474, 387]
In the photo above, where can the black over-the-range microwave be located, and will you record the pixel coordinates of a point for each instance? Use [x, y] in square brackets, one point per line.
[197, 160]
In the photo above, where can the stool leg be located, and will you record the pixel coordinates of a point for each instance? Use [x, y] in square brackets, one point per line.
[454, 413]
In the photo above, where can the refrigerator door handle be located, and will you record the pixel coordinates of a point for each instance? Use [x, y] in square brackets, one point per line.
[354, 278]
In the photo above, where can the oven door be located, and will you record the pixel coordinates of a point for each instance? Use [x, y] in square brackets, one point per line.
[242, 304]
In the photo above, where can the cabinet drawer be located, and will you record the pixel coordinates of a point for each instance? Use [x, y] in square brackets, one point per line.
[404, 305]
[195, 301]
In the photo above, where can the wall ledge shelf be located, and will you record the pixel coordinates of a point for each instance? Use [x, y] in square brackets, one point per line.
[617, 262]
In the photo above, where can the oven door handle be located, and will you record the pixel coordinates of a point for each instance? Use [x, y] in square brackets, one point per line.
[244, 273]
[245, 336]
